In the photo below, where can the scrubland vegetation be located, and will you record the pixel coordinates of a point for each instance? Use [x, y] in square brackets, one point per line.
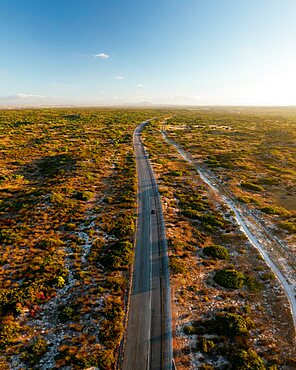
[253, 152]
[67, 219]
[229, 311]
[67, 216]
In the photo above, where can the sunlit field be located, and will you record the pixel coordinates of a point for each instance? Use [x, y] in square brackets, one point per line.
[68, 191]
[219, 280]
[67, 215]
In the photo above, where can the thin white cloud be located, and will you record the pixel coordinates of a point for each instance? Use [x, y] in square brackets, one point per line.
[22, 96]
[140, 85]
[101, 55]
[29, 96]
[119, 78]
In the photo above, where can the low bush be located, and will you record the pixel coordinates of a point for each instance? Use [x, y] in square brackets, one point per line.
[290, 227]
[230, 324]
[8, 333]
[35, 351]
[249, 359]
[251, 186]
[271, 210]
[189, 329]
[230, 279]
[253, 284]
[176, 265]
[204, 345]
[83, 195]
[217, 252]
[66, 314]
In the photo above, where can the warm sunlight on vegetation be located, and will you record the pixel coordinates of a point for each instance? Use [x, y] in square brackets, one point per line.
[67, 214]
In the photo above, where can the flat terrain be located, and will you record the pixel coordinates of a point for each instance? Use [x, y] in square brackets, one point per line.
[199, 222]
[67, 217]
[68, 213]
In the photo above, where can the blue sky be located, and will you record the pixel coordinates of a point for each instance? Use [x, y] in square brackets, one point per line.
[201, 52]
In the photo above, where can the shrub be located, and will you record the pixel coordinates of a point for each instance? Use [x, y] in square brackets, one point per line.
[35, 351]
[206, 367]
[248, 360]
[66, 314]
[118, 255]
[217, 252]
[176, 265]
[175, 173]
[253, 284]
[290, 227]
[230, 279]
[271, 210]
[8, 333]
[268, 276]
[230, 324]
[251, 186]
[205, 345]
[83, 195]
[189, 329]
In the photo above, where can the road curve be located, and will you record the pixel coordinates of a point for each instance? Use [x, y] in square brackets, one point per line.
[149, 334]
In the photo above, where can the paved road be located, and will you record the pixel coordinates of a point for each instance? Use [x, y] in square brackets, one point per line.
[149, 338]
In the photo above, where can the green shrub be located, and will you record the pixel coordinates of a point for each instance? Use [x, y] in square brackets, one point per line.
[253, 284]
[271, 210]
[205, 345]
[175, 173]
[83, 195]
[176, 265]
[248, 360]
[230, 324]
[189, 329]
[35, 351]
[217, 252]
[206, 367]
[288, 226]
[230, 279]
[66, 314]
[8, 333]
[268, 276]
[251, 186]
[117, 256]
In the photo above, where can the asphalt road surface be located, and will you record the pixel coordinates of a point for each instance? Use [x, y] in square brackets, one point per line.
[149, 336]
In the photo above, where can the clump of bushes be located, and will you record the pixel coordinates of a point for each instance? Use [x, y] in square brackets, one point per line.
[35, 351]
[253, 284]
[204, 345]
[251, 186]
[83, 195]
[8, 333]
[189, 330]
[216, 252]
[230, 279]
[271, 210]
[176, 265]
[118, 255]
[249, 359]
[290, 227]
[225, 324]
[111, 328]
[66, 314]
[230, 324]
[246, 199]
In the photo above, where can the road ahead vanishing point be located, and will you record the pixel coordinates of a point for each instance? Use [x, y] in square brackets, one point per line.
[149, 334]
